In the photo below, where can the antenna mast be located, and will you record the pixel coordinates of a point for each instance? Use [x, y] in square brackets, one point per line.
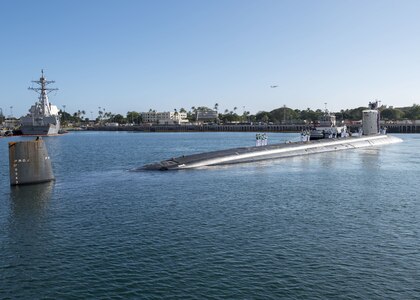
[43, 91]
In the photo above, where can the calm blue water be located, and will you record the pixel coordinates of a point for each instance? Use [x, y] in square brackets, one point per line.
[342, 225]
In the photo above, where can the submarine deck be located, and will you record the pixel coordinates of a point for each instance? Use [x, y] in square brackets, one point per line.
[256, 153]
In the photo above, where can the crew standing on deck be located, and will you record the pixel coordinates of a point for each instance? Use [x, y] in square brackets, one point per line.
[261, 139]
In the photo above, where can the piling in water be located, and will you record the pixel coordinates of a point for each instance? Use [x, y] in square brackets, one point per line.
[29, 162]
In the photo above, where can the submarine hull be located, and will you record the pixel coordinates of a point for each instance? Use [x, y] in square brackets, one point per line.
[275, 151]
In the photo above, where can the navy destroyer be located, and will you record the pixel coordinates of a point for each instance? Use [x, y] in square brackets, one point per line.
[43, 117]
[369, 136]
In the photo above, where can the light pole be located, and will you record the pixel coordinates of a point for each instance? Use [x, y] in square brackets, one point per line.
[11, 111]
[284, 114]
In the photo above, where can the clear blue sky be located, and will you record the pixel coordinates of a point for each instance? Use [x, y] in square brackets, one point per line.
[136, 55]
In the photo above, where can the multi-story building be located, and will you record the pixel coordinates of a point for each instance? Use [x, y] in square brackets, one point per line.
[206, 116]
[166, 118]
[149, 117]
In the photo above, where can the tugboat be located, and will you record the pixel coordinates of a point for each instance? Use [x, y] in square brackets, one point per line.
[327, 127]
[43, 117]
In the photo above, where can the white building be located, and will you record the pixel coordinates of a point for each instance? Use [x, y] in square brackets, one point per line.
[11, 123]
[166, 118]
[208, 115]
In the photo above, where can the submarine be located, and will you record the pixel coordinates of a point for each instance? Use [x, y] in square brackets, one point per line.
[370, 135]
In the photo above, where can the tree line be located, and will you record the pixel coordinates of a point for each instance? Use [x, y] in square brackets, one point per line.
[282, 115]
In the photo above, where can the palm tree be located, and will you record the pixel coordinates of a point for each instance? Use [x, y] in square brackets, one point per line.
[194, 110]
[99, 113]
[216, 106]
[245, 115]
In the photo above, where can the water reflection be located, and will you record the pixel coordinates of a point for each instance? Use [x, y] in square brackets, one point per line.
[28, 205]
[370, 158]
[30, 199]
[27, 235]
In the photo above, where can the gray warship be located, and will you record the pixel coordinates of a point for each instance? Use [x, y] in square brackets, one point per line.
[43, 117]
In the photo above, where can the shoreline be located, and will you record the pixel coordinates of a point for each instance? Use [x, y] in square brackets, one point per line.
[391, 128]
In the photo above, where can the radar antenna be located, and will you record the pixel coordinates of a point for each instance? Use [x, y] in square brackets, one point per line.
[43, 91]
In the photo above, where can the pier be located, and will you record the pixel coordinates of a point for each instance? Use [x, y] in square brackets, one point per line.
[403, 128]
[391, 128]
[204, 128]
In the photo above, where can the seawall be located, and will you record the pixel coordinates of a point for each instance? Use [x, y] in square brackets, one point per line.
[392, 128]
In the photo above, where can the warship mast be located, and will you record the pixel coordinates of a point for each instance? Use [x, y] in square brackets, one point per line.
[43, 117]
[43, 91]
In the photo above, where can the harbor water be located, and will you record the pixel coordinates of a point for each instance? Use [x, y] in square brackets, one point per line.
[340, 225]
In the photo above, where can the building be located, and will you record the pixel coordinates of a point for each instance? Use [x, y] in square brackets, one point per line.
[165, 118]
[207, 115]
[10, 123]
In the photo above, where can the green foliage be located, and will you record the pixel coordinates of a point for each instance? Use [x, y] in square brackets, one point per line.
[263, 116]
[413, 112]
[353, 114]
[117, 119]
[391, 114]
[68, 118]
[283, 115]
[309, 115]
[134, 117]
[203, 109]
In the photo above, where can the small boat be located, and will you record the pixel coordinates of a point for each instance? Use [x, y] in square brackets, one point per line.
[327, 127]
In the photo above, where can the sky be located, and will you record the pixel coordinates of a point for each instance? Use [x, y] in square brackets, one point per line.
[164, 55]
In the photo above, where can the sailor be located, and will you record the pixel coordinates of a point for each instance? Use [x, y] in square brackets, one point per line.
[383, 130]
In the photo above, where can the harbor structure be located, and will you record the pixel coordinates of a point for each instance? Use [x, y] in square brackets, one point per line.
[29, 162]
[43, 117]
